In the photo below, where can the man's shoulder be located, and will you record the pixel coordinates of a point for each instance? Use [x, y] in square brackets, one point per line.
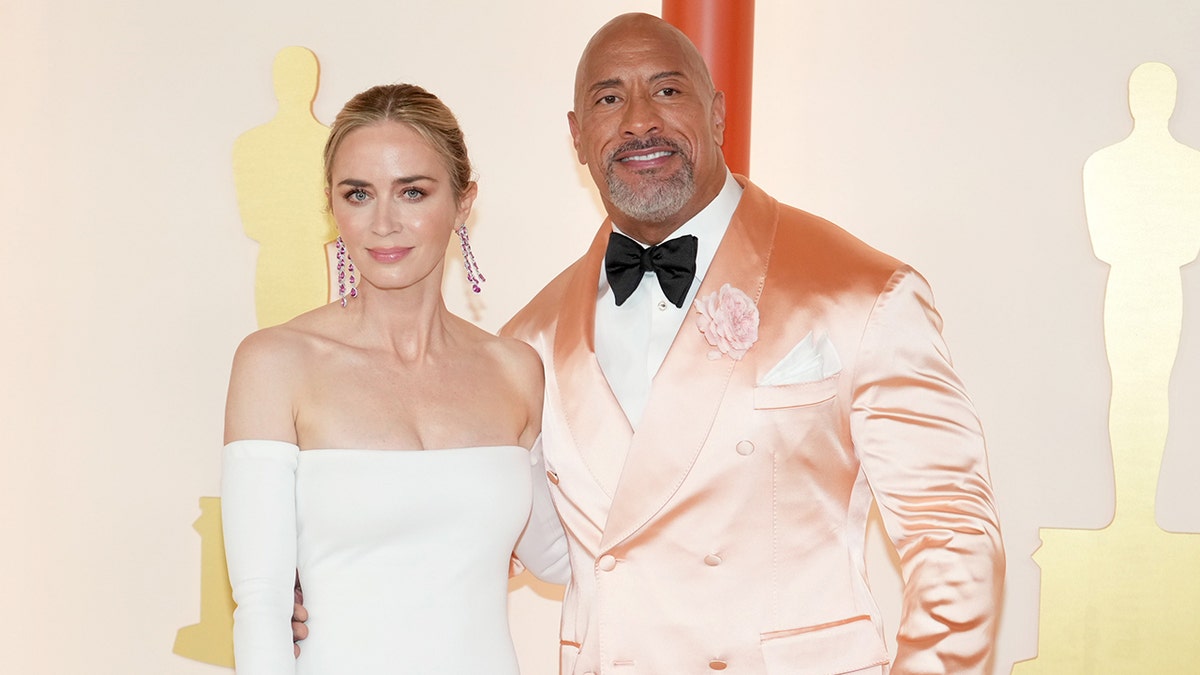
[804, 235]
[540, 312]
[811, 239]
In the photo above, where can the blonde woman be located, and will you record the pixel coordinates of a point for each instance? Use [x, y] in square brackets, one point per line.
[380, 445]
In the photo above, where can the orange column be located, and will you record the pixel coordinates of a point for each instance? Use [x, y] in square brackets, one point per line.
[723, 30]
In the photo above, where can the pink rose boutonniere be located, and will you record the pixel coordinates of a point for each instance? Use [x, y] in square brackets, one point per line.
[729, 321]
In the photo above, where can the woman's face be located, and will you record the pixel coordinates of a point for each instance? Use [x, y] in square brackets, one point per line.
[394, 205]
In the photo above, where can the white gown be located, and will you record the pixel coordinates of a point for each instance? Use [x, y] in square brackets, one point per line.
[403, 555]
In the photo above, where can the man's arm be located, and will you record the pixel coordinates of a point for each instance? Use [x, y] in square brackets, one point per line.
[922, 448]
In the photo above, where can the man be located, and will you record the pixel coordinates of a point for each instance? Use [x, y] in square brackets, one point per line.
[713, 446]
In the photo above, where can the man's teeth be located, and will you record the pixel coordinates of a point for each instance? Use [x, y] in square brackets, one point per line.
[646, 158]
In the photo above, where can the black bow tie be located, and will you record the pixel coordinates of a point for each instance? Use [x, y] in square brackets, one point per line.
[673, 262]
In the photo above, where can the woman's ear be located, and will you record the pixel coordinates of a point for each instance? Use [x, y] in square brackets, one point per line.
[465, 202]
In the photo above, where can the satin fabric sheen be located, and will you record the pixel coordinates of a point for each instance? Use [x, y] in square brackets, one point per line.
[733, 539]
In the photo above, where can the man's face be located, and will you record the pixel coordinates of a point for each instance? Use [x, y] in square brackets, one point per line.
[648, 126]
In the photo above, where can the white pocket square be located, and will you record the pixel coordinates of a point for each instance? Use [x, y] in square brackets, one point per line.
[809, 361]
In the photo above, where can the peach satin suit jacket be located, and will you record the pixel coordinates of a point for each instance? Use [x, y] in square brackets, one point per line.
[731, 538]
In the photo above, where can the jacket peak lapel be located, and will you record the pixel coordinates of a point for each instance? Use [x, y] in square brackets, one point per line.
[597, 423]
[689, 386]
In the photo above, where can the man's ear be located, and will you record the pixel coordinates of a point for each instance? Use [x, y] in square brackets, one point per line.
[573, 123]
[718, 117]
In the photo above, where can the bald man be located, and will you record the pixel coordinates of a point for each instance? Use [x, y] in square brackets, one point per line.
[730, 384]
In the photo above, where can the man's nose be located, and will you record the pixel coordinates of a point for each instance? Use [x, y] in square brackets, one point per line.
[640, 117]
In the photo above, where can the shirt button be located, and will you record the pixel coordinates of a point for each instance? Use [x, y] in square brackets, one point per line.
[662, 305]
[606, 563]
[744, 448]
[712, 560]
[552, 476]
[717, 664]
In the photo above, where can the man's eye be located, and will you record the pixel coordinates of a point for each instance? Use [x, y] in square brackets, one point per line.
[668, 91]
[608, 100]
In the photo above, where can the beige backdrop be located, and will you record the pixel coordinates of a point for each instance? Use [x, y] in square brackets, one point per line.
[949, 134]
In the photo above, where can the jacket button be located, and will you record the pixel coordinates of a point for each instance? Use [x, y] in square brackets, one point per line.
[744, 448]
[606, 563]
[712, 560]
[552, 476]
[717, 664]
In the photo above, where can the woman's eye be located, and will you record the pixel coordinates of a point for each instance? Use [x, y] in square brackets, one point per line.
[413, 194]
[356, 195]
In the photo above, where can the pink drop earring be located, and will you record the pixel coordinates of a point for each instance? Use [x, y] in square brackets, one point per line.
[474, 276]
[345, 266]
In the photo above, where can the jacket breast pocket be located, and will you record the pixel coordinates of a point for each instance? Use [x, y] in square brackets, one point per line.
[798, 395]
[850, 646]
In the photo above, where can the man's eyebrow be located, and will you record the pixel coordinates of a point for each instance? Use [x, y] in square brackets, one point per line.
[604, 84]
[667, 74]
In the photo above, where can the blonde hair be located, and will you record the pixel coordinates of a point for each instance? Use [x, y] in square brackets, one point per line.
[411, 105]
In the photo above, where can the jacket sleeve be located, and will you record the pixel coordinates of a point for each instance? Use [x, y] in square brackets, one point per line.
[258, 513]
[542, 547]
[922, 449]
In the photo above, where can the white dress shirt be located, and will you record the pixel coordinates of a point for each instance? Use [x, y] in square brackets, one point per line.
[632, 340]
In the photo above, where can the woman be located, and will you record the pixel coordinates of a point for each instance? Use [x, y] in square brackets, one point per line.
[381, 445]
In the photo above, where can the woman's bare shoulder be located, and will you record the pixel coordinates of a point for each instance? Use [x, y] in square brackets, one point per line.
[293, 342]
[270, 369]
[519, 354]
[510, 355]
[520, 367]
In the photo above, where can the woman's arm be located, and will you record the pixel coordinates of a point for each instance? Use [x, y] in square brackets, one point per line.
[258, 511]
[258, 504]
[542, 547]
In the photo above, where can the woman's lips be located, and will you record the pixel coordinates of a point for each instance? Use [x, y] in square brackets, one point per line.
[389, 255]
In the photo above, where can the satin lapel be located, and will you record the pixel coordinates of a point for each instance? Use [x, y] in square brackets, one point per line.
[688, 388]
[596, 421]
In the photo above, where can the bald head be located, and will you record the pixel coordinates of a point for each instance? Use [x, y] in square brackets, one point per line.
[635, 31]
[649, 125]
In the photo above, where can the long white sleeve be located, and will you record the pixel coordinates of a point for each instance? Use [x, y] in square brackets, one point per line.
[542, 547]
[258, 513]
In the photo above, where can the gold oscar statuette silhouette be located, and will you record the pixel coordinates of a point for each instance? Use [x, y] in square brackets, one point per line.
[211, 640]
[280, 181]
[1123, 599]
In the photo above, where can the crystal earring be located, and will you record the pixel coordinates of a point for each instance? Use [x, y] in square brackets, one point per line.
[345, 266]
[474, 276]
